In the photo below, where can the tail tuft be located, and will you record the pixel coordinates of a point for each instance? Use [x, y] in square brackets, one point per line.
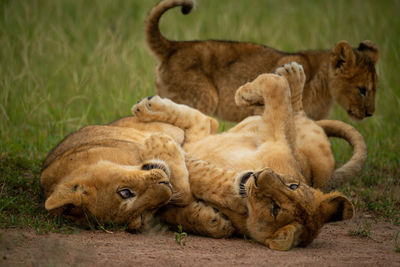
[159, 45]
[187, 8]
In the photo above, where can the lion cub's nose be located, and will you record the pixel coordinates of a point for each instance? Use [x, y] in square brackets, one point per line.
[367, 114]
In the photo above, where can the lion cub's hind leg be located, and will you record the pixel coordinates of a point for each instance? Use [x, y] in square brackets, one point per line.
[273, 91]
[196, 124]
[263, 88]
[276, 129]
[311, 140]
[162, 147]
[198, 218]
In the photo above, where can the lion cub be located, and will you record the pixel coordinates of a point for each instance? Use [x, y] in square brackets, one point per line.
[260, 172]
[122, 173]
[206, 74]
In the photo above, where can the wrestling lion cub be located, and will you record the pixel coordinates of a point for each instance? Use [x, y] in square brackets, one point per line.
[117, 173]
[265, 165]
[206, 74]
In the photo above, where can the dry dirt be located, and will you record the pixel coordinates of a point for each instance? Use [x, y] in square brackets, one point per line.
[333, 247]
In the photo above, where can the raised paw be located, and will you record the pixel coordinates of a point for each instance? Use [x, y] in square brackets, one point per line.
[153, 108]
[294, 74]
[148, 98]
[265, 88]
[247, 96]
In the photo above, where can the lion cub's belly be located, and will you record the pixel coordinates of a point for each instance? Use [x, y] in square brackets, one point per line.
[227, 150]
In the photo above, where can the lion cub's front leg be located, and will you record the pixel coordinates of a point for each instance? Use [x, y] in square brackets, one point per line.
[162, 147]
[198, 218]
[196, 124]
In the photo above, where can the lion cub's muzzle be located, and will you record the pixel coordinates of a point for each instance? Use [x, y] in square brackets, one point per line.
[159, 165]
[267, 181]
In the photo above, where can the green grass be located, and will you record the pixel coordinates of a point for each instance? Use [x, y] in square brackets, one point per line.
[65, 64]
[363, 230]
[180, 236]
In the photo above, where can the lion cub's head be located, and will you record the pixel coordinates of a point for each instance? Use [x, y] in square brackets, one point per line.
[353, 77]
[284, 213]
[108, 192]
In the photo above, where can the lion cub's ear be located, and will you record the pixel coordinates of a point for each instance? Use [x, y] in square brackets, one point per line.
[370, 49]
[64, 194]
[286, 237]
[335, 207]
[342, 57]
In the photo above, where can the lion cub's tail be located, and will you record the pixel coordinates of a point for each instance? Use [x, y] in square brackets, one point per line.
[351, 168]
[158, 43]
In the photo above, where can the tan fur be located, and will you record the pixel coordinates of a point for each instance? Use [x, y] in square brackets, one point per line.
[285, 151]
[82, 176]
[206, 74]
[253, 180]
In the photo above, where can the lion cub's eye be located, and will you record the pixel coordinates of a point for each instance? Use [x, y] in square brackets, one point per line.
[126, 193]
[362, 90]
[293, 186]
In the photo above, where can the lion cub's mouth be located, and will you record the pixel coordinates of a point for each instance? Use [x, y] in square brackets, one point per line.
[354, 116]
[243, 181]
[157, 164]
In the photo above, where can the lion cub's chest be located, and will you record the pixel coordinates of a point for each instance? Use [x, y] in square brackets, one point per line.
[233, 150]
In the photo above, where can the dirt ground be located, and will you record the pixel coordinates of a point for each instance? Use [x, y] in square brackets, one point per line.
[333, 247]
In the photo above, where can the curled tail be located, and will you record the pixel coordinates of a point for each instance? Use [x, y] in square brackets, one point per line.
[158, 43]
[352, 167]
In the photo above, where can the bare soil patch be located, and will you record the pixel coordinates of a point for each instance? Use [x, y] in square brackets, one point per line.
[333, 247]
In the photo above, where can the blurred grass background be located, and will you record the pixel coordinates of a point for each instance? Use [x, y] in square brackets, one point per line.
[68, 63]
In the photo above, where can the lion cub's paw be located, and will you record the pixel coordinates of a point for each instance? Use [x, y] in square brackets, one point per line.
[249, 95]
[162, 146]
[152, 108]
[294, 74]
[266, 87]
[212, 221]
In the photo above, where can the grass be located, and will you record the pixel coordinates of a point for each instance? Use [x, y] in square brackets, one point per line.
[180, 236]
[363, 230]
[21, 203]
[65, 64]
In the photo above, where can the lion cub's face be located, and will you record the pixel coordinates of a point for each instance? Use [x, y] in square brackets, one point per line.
[109, 192]
[353, 78]
[284, 213]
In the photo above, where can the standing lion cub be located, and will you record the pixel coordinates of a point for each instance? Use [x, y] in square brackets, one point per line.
[206, 74]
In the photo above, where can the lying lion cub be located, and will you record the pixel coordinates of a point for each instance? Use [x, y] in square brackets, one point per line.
[116, 173]
[123, 172]
[265, 165]
[206, 74]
